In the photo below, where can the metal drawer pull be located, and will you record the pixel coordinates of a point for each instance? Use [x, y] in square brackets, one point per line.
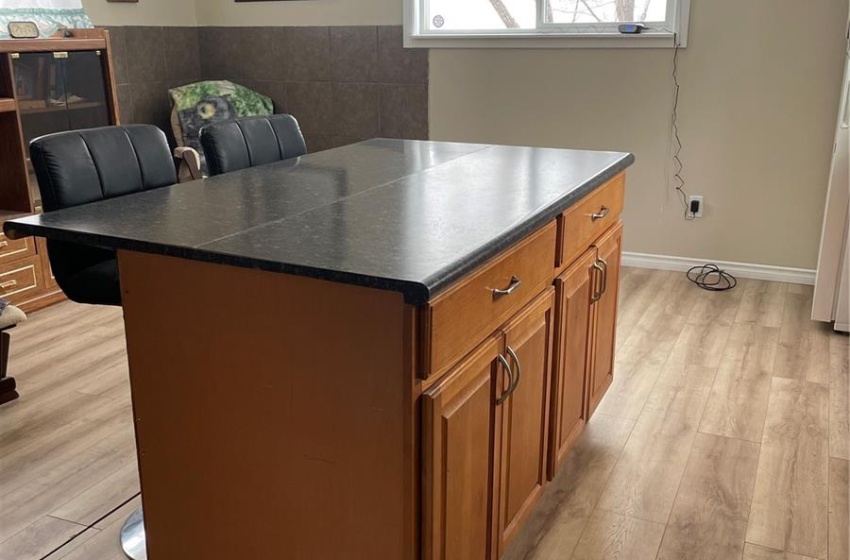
[9, 284]
[597, 293]
[515, 283]
[510, 373]
[4, 244]
[515, 358]
[601, 214]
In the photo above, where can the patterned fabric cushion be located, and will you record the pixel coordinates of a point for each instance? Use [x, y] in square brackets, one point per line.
[196, 105]
[11, 316]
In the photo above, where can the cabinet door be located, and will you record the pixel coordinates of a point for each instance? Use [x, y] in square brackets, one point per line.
[86, 95]
[573, 289]
[458, 451]
[605, 334]
[525, 416]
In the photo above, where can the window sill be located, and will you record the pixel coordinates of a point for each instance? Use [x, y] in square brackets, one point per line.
[542, 41]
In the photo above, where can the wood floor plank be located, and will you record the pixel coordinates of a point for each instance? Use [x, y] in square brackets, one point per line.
[790, 510]
[718, 308]
[839, 396]
[644, 482]
[803, 351]
[105, 544]
[839, 509]
[638, 290]
[653, 336]
[709, 518]
[755, 552]
[632, 385]
[700, 345]
[737, 404]
[555, 527]
[34, 499]
[609, 536]
[88, 507]
[762, 303]
[49, 456]
[36, 540]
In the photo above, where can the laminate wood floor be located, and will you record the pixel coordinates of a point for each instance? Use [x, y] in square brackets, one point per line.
[724, 436]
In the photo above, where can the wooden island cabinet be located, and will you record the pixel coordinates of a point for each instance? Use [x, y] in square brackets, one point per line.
[486, 443]
[321, 417]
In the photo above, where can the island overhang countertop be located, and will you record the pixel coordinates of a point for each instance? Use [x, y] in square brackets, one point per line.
[400, 215]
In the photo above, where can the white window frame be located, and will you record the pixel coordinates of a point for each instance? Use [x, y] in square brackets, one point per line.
[547, 35]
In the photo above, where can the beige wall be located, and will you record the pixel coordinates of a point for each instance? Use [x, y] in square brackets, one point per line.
[760, 86]
[312, 12]
[145, 12]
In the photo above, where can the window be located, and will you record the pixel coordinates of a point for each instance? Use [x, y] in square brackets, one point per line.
[591, 22]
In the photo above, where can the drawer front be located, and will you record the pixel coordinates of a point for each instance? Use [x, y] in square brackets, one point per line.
[459, 319]
[590, 218]
[19, 279]
[14, 249]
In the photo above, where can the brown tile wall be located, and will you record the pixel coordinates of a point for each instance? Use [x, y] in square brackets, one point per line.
[343, 84]
[148, 62]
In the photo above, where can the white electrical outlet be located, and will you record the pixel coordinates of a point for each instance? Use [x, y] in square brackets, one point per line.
[699, 200]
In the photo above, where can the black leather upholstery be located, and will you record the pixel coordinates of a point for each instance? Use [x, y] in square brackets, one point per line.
[247, 142]
[85, 166]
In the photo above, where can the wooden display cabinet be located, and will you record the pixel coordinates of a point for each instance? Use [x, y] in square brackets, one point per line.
[46, 86]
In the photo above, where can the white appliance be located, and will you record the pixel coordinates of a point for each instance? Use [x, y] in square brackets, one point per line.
[832, 287]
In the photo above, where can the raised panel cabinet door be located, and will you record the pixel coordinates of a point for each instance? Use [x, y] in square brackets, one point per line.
[458, 454]
[573, 292]
[605, 334]
[525, 415]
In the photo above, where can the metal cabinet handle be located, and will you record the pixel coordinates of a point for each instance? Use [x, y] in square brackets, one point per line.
[9, 284]
[601, 214]
[597, 292]
[604, 265]
[510, 373]
[515, 358]
[515, 283]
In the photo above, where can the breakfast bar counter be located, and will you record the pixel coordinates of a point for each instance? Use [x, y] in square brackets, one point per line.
[381, 351]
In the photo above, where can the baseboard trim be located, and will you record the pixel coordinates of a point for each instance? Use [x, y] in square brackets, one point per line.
[740, 270]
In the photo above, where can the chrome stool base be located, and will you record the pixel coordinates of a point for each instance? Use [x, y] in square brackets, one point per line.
[133, 537]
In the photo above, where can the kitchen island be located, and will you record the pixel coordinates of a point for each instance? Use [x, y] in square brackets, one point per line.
[382, 351]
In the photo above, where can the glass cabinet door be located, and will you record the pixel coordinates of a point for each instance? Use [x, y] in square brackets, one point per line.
[85, 90]
[40, 88]
[59, 91]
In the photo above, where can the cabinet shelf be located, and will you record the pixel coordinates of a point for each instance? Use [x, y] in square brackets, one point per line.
[59, 108]
[7, 105]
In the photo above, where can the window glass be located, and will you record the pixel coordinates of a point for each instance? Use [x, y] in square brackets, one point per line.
[605, 11]
[480, 15]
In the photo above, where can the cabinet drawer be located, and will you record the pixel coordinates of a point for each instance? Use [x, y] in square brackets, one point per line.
[14, 249]
[18, 279]
[459, 319]
[591, 217]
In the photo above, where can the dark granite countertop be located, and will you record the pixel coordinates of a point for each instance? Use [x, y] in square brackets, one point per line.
[401, 215]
